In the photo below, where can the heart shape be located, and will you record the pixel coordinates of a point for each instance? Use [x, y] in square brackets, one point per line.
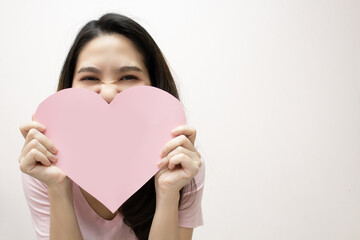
[110, 150]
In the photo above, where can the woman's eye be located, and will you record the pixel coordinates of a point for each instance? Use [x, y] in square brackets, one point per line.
[89, 78]
[128, 77]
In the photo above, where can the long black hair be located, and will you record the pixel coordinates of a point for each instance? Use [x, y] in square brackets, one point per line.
[138, 211]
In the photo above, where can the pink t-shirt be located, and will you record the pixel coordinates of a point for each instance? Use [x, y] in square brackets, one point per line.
[93, 226]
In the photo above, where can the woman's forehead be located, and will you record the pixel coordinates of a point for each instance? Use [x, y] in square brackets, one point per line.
[110, 51]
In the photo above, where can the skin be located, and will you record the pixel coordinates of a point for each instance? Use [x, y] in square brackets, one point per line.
[180, 159]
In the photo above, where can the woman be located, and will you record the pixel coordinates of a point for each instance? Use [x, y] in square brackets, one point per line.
[108, 56]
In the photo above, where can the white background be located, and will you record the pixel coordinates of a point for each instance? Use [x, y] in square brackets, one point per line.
[272, 87]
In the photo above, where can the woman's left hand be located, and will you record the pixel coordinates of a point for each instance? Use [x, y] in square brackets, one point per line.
[180, 163]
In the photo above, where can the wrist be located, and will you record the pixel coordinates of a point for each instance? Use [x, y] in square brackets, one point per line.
[167, 198]
[60, 187]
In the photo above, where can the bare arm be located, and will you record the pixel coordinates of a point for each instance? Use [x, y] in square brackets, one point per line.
[165, 222]
[63, 222]
[180, 164]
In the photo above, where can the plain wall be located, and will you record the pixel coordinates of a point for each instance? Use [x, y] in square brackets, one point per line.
[272, 87]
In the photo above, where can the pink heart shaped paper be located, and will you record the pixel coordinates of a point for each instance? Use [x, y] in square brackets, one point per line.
[110, 150]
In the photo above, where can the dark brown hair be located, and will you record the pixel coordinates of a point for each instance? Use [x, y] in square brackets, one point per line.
[139, 209]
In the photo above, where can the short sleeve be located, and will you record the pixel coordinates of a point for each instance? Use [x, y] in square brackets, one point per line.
[190, 211]
[39, 205]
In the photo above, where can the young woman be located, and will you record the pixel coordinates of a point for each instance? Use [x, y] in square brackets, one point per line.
[108, 56]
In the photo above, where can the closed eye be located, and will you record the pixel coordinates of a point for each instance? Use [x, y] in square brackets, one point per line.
[127, 77]
[89, 78]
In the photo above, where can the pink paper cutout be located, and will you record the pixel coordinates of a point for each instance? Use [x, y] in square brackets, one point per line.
[110, 150]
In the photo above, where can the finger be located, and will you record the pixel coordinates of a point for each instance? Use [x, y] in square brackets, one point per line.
[188, 166]
[192, 160]
[25, 128]
[180, 149]
[31, 159]
[188, 131]
[181, 140]
[175, 160]
[35, 144]
[35, 134]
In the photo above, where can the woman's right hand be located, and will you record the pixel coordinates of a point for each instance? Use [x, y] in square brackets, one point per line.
[39, 154]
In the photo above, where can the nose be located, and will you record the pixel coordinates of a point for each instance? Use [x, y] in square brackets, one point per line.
[108, 92]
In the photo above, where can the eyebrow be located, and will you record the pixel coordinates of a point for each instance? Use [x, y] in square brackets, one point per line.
[118, 70]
